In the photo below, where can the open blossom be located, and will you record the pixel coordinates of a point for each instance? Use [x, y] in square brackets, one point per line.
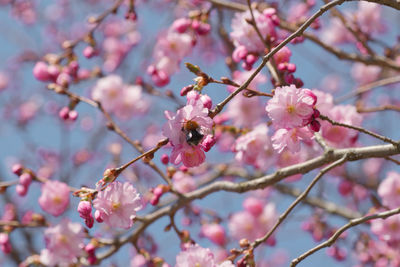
[255, 148]
[183, 182]
[64, 243]
[186, 130]
[243, 34]
[369, 18]
[291, 107]
[118, 204]
[339, 136]
[387, 229]
[290, 139]
[250, 225]
[119, 98]
[245, 111]
[389, 190]
[364, 74]
[196, 256]
[54, 198]
[214, 232]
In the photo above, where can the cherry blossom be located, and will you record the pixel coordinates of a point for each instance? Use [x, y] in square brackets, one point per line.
[55, 197]
[64, 243]
[118, 204]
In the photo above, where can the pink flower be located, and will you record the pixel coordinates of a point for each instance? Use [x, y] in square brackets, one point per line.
[244, 224]
[243, 34]
[339, 136]
[64, 243]
[291, 107]
[290, 139]
[369, 18]
[186, 131]
[195, 256]
[108, 91]
[364, 74]
[214, 232]
[389, 190]
[255, 148]
[118, 204]
[183, 182]
[387, 229]
[55, 197]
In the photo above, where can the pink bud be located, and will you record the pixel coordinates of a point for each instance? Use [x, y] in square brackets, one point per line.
[63, 79]
[4, 238]
[316, 113]
[291, 67]
[214, 232]
[89, 221]
[25, 179]
[207, 102]
[203, 29]
[345, 188]
[192, 96]
[181, 25]
[83, 74]
[154, 200]
[247, 66]
[253, 205]
[239, 53]
[208, 142]
[17, 169]
[160, 78]
[64, 113]
[151, 69]
[53, 71]
[89, 52]
[251, 59]
[73, 68]
[315, 125]
[92, 259]
[97, 216]
[21, 190]
[90, 248]
[40, 71]
[158, 191]
[84, 209]
[282, 66]
[165, 159]
[73, 115]
[186, 89]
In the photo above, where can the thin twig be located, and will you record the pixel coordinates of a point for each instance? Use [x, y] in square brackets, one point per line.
[336, 235]
[360, 129]
[281, 218]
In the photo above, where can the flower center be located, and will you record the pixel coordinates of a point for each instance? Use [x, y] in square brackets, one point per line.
[290, 109]
[115, 205]
[57, 200]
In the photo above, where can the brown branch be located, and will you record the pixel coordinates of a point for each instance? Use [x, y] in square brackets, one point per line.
[360, 129]
[259, 183]
[303, 195]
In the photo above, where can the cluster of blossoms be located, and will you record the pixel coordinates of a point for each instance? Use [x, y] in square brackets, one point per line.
[254, 221]
[123, 100]
[64, 244]
[117, 205]
[172, 46]
[245, 38]
[24, 181]
[120, 37]
[291, 109]
[383, 252]
[189, 131]
[55, 197]
[194, 255]
[367, 19]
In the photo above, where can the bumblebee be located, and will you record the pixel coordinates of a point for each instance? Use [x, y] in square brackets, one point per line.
[192, 133]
